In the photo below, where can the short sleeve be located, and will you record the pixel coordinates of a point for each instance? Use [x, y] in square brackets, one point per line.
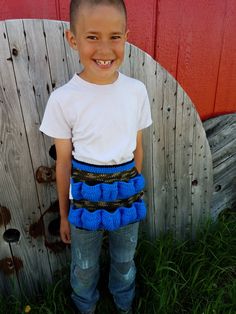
[145, 118]
[54, 123]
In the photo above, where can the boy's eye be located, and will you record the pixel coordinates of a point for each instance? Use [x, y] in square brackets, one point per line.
[116, 37]
[92, 37]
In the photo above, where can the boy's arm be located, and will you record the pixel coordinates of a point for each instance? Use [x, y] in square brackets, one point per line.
[138, 153]
[63, 172]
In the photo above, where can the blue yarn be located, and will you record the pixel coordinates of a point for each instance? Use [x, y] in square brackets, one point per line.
[102, 219]
[102, 169]
[92, 193]
[111, 221]
[107, 192]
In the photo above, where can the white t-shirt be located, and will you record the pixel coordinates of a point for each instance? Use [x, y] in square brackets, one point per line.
[101, 120]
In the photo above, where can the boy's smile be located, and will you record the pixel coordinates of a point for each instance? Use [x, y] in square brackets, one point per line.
[100, 36]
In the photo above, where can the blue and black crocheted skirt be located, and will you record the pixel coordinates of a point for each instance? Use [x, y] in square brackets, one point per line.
[106, 197]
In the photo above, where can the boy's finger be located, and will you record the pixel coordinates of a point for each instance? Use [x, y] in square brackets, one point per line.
[65, 240]
[65, 237]
[68, 237]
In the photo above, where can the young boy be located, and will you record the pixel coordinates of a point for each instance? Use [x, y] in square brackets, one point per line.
[96, 120]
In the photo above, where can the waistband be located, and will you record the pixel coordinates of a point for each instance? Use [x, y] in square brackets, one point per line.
[106, 169]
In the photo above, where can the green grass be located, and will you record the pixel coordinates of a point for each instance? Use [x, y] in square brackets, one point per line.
[173, 277]
[189, 277]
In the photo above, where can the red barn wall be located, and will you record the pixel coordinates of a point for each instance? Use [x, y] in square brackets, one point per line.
[194, 40]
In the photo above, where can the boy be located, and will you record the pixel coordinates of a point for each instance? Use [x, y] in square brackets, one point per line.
[96, 120]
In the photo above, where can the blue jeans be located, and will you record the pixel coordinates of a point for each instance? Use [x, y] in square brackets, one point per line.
[85, 250]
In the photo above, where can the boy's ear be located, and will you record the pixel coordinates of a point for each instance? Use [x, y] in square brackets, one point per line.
[127, 34]
[71, 39]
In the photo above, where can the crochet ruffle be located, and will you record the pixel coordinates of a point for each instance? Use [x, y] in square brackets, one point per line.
[102, 219]
[107, 192]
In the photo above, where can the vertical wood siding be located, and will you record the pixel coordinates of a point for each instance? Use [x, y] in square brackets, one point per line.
[194, 40]
[226, 85]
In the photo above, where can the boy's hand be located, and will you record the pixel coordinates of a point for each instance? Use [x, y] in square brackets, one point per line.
[65, 230]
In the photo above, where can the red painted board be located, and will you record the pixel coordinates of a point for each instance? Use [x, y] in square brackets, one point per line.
[64, 10]
[200, 49]
[18, 9]
[226, 87]
[142, 24]
[190, 38]
[169, 15]
[194, 40]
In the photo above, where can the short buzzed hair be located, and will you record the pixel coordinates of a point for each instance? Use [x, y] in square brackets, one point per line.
[76, 4]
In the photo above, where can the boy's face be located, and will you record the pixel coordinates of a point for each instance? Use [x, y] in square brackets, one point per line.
[100, 36]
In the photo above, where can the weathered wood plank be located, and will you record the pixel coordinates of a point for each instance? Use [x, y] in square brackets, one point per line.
[181, 165]
[30, 58]
[54, 36]
[221, 134]
[146, 73]
[42, 78]
[72, 57]
[158, 168]
[35, 255]
[202, 177]
[16, 195]
[61, 69]
[125, 67]
[10, 132]
[149, 67]
[169, 123]
[7, 276]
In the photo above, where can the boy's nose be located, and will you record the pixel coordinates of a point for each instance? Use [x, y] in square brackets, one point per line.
[104, 47]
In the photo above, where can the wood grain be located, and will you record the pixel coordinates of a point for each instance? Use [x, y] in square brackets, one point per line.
[221, 135]
[179, 172]
[16, 195]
